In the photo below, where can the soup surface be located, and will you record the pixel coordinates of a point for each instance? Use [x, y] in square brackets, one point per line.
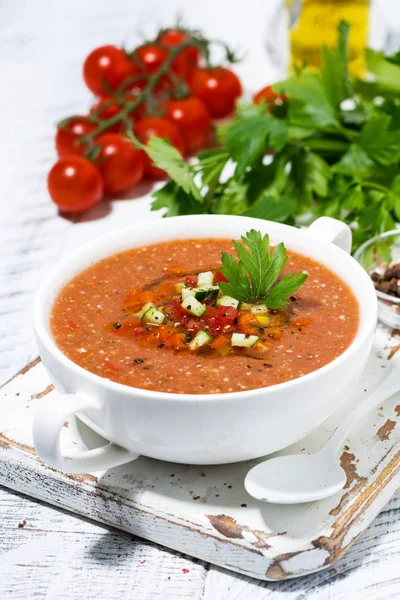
[95, 323]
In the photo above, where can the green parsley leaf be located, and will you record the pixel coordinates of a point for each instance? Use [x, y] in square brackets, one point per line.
[381, 145]
[211, 164]
[232, 200]
[247, 139]
[334, 69]
[176, 201]
[272, 208]
[170, 160]
[387, 74]
[355, 162]
[255, 276]
[309, 105]
[285, 288]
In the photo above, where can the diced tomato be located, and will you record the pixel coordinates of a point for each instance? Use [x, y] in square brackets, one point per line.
[226, 315]
[193, 325]
[219, 342]
[190, 282]
[219, 277]
[210, 313]
[176, 341]
[137, 298]
[212, 325]
[175, 311]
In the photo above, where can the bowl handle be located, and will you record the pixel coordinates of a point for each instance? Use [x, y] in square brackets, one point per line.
[48, 422]
[331, 230]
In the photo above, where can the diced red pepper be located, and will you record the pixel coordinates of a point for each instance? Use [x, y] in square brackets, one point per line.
[219, 342]
[137, 298]
[127, 328]
[176, 341]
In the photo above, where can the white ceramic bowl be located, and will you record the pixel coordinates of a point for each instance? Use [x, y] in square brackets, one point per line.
[197, 429]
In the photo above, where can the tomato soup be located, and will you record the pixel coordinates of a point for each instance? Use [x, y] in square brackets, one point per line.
[96, 321]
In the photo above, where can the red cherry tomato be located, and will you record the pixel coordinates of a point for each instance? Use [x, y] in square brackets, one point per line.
[106, 108]
[160, 128]
[268, 95]
[106, 68]
[121, 166]
[218, 88]
[193, 120]
[186, 60]
[67, 137]
[151, 57]
[74, 184]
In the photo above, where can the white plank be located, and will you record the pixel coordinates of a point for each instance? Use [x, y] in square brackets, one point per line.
[56, 551]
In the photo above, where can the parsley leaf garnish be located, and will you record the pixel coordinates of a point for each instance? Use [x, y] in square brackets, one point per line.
[254, 277]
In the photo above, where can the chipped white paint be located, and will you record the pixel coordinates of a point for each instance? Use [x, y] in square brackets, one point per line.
[205, 511]
[42, 46]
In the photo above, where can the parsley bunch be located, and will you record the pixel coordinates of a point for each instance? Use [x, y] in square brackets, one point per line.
[332, 149]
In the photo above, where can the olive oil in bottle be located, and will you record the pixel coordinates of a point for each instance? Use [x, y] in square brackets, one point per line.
[314, 23]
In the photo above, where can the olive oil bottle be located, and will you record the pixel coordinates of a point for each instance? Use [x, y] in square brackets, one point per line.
[314, 23]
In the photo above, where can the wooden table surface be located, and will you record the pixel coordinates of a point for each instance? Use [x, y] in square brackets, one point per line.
[42, 45]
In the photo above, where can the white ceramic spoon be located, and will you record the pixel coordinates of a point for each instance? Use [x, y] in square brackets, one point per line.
[297, 478]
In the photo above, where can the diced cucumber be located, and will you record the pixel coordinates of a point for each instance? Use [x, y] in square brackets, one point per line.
[246, 306]
[243, 340]
[259, 309]
[203, 293]
[188, 292]
[227, 301]
[202, 338]
[200, 293]
[144, 308]
[153, 316]
[205, 279]
[194, 307]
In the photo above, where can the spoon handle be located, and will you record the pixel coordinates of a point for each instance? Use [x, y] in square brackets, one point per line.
[387, 388]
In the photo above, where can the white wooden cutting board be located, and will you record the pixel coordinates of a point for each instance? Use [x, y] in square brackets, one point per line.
[205, 511]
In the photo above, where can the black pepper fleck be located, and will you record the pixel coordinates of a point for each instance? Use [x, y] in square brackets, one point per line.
[160, 345]
[271, 335]
[137, 361]
[117, 325]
